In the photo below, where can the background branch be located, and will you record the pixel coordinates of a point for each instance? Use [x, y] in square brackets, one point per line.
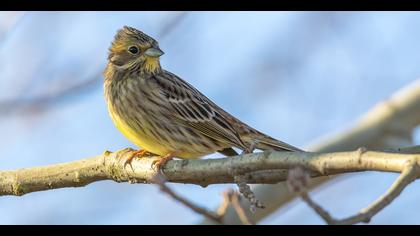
[407, 176]
[387, 125]
[161, 182]
[70, 92]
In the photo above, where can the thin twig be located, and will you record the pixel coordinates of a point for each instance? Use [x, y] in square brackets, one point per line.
[240, 210]
[42, 102]
[161, 182]
[46, 101]
[247, 192]
[409, 174]
[232, 198]
[221, 211]
[9, 26]
[317, 208]
[172, 24]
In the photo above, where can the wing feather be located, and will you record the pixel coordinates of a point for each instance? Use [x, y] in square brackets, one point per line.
[195, 110]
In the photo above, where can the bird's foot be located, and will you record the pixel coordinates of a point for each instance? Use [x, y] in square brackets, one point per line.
[250, 149]
[142, 153]
[158, 164]
[136, 154]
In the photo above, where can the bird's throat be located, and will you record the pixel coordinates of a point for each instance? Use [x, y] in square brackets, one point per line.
[152, 65]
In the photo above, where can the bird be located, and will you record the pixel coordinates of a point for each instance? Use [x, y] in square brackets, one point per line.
[163, 114]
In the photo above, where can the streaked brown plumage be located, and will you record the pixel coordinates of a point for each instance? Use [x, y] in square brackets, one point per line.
[164, 114]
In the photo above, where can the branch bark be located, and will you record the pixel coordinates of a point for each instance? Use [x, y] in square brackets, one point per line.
[111, 166]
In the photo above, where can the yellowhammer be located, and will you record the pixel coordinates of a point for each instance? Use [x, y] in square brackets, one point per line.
[165, 115]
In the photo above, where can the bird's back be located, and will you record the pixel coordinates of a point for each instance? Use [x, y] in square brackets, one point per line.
[244, 135]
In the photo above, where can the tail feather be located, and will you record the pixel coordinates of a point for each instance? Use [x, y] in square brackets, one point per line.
[276, 145]
[265, 142]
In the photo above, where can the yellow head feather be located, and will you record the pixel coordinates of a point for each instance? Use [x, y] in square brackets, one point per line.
[120, 55]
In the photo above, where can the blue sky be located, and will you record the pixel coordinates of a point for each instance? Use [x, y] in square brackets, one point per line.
[296, 76]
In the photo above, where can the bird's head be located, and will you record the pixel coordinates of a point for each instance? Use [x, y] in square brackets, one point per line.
[134, 50]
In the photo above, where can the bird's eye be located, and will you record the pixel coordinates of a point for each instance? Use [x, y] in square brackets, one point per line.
[133, 49]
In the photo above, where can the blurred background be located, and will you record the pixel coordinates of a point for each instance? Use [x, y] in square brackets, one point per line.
[296, 76]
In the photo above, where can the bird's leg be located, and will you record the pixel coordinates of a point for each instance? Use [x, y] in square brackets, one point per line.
[250, 149]
[158, 164]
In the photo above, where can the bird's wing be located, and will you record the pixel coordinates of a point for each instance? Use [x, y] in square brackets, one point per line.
[195, 110]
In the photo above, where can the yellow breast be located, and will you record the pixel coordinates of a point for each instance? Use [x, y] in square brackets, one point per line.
[150, 143]
[136, 136]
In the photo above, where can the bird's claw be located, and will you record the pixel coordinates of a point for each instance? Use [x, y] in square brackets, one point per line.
[158, 164]
[135, 154]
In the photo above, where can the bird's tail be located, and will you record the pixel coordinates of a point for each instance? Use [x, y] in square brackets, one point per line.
[265, 142]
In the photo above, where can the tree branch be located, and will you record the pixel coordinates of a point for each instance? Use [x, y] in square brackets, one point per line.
[110, 166]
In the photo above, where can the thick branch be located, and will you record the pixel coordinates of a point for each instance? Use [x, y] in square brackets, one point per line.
[110, 166]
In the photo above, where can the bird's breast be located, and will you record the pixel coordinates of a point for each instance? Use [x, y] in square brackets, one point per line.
[126, 107]
[141, 113]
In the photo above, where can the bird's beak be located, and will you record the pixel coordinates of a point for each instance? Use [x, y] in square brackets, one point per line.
[154, 52]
